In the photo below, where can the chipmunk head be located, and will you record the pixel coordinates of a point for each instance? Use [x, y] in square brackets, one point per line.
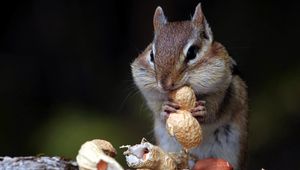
[182, 53]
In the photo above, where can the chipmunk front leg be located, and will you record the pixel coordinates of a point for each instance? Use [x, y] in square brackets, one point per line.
[199, 111]
[168, 107]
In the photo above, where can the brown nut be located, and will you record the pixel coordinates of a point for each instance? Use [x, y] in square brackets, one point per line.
[102, 165]
[212, 164]
[185, 128]
[185, 97]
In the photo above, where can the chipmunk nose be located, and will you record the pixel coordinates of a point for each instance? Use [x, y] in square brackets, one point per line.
[167, 84]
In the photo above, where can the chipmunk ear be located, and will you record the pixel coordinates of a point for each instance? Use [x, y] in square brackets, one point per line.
[200, 23]
[159, 19]
[198, 16]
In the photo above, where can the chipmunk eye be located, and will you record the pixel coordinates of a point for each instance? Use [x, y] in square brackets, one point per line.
[192, 53]
[152, 56]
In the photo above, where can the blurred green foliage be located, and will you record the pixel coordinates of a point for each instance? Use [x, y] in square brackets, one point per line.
[69, 127]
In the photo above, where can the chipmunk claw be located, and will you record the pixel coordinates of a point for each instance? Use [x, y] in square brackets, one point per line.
[168, 108]
[199, 111]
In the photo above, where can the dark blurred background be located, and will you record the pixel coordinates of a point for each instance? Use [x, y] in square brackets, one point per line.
[65, 73]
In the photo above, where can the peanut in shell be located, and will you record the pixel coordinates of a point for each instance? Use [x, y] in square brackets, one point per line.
[185, 97]
[182, 125]
[185, 128]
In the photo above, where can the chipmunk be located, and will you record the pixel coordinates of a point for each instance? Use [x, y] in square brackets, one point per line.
[184, 53]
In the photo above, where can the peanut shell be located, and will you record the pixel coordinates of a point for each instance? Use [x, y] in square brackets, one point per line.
[185, 128]
[185, 97]
[182, 125]
[95, 155]
[106, 147]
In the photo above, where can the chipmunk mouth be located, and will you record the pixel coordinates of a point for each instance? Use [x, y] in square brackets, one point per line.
[168, 90]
